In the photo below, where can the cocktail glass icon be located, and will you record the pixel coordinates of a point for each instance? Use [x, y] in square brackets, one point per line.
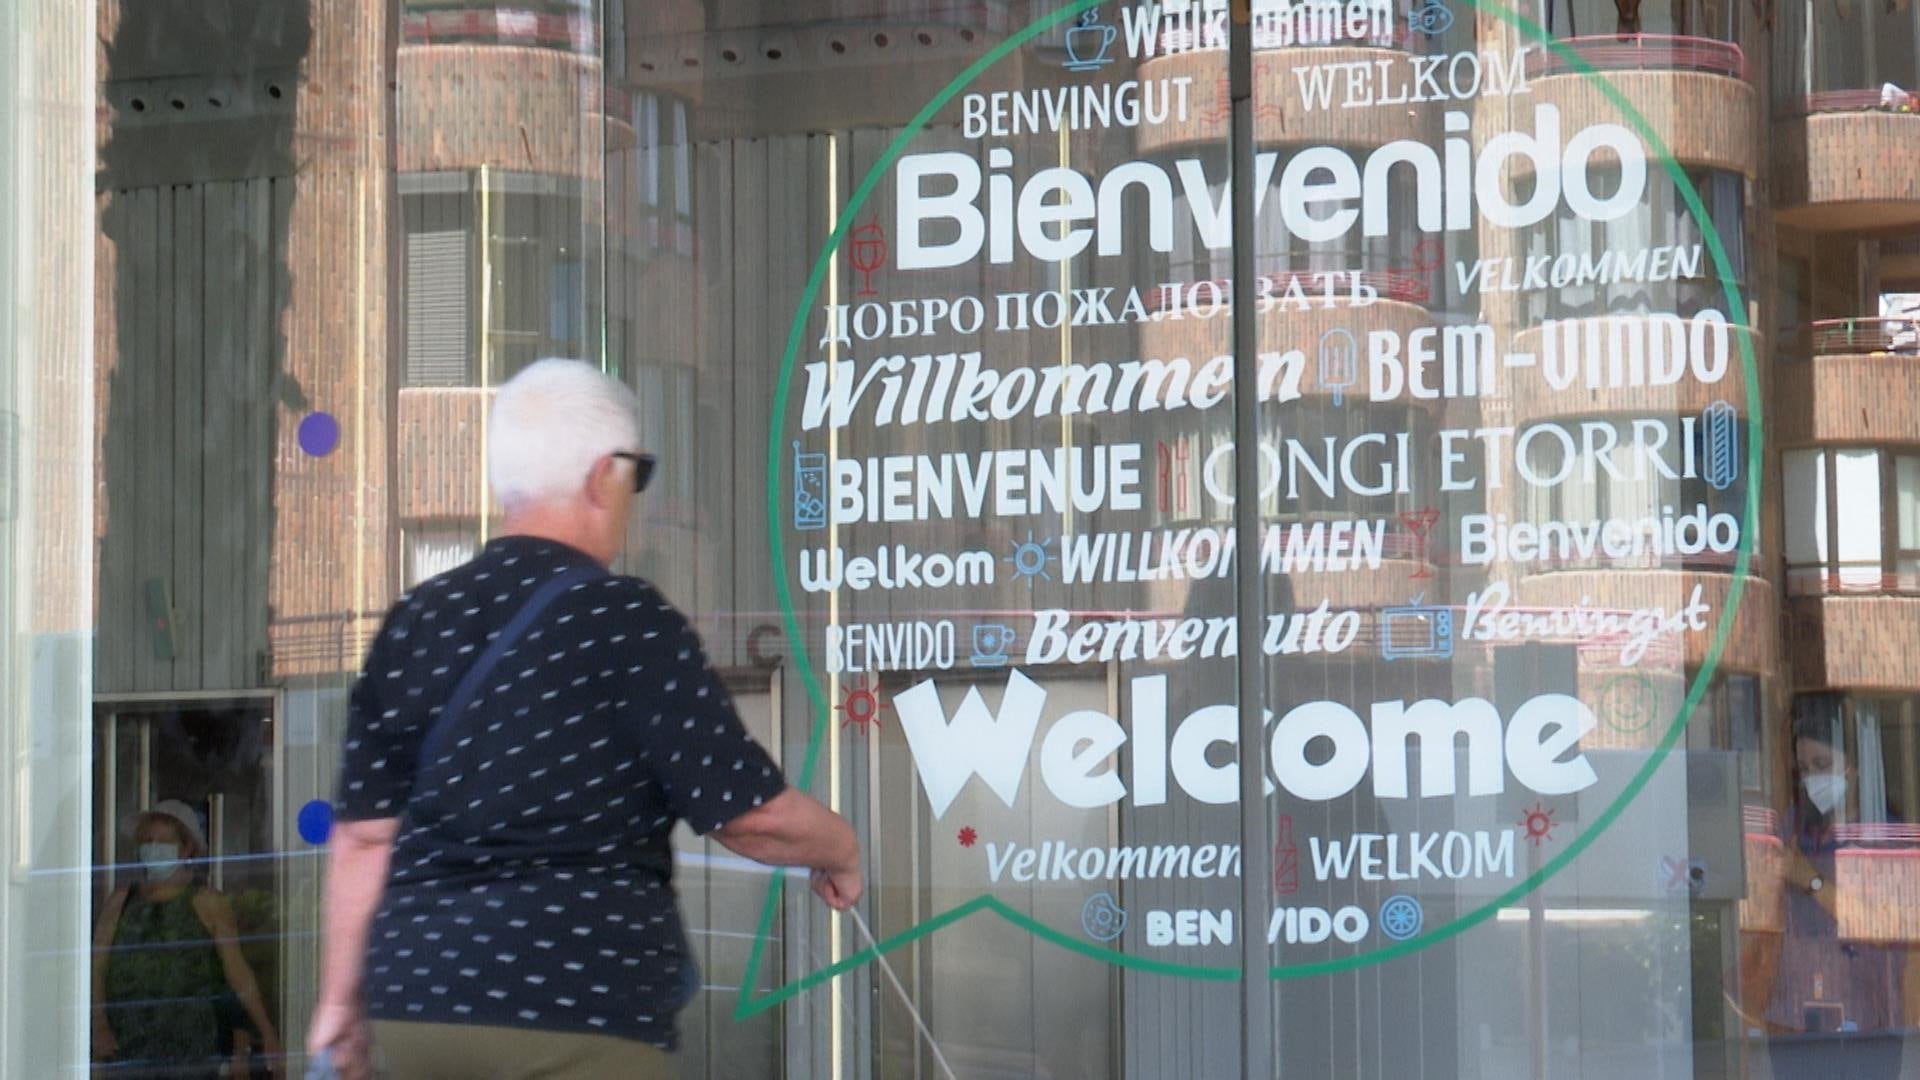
[1339, 362]
[1420, 524]
[868, 253]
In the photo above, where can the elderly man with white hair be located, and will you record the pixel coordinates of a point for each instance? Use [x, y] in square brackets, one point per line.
[526, 733]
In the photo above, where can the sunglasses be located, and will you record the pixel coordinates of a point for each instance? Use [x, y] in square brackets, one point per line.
[642, 468]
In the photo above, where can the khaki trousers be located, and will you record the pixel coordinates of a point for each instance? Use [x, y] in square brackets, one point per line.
[473, 1052]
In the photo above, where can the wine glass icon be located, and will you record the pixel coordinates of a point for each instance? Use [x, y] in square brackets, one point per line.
[1420, 523]
[868, 253]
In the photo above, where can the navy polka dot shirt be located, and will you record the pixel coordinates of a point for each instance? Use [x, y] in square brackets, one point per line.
[531, 880]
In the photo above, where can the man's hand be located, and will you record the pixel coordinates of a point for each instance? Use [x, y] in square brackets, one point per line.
[341, 1031]
[276, 1055]
[793, 829]
[356, 876]
[841, 889]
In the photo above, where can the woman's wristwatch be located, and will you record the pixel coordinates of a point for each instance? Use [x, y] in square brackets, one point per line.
[1816, 884]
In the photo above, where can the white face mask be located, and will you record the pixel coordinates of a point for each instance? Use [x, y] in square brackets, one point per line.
[161, 860]
[1825, 791]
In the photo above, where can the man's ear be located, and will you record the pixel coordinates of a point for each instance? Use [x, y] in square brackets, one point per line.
[599, 491]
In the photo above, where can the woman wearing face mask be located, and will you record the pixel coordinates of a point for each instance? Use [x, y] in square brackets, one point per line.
[1820, 985]
[166, 954]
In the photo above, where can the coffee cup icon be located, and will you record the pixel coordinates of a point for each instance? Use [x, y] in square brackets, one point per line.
[1088, 42]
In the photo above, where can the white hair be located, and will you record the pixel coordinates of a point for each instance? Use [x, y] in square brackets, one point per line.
[551, 423]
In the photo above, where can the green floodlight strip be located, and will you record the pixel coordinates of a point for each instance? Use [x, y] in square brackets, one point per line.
[749, 1004]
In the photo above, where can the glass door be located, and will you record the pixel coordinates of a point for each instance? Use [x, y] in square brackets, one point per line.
[199, 773]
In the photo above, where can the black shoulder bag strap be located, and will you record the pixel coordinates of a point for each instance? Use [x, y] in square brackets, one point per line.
[521, 622]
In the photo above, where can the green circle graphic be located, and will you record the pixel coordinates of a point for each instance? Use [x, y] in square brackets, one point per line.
[750, 1004]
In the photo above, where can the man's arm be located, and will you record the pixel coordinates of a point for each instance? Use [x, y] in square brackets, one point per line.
[357, 857]
[104, 1046]
[216, 914]
[793, 829]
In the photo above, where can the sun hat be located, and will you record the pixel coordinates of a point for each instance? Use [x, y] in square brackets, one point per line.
[177, 812]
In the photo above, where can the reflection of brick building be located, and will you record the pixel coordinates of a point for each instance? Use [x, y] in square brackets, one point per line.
[647, 184]
[242, 286]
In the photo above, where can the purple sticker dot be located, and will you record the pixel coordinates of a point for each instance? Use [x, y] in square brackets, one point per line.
[319, 434]
[315, 822]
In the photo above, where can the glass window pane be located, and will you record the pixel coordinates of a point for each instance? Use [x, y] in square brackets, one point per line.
[927, 314]
[1857, 494]
[1804, 495]
[1906, 511]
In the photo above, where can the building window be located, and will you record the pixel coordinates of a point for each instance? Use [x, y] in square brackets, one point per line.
[1677, 272]
[533, 278]
[1632, 486]
[1879, 736]
[437, 294]
[434, 547]
[1729, 717]
[1844, 56]
[1388, 260]
[1853, 520]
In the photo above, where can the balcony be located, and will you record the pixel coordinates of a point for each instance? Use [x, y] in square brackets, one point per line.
[1535, 399]
[441, 472]
[1282, 113]
[567, 29]
[1855, 380]
[1399, 305]
[1640, 52]
[1750, 646]
[1854, 642]
[523, 107]
[1843, 160]
[1693, 91]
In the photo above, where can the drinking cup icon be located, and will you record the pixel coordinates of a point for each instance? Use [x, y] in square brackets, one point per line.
[990, 644]
[1088, 42]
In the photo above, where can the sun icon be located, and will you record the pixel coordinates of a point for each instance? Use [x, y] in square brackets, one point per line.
[968, 837]
[1539, 824]
[861, 704]
[1030, 558]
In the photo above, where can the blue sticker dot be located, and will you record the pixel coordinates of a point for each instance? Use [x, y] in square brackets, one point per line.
[315, 822]
[319, 434]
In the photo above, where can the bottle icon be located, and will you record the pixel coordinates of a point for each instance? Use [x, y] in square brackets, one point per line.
[1286, 858]
[1720, 426]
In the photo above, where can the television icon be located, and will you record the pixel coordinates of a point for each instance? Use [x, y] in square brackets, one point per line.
[1416, 631]
[992, 644]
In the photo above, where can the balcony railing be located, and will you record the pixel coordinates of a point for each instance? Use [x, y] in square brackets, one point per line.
[1178, 34]
[570, 31]
[1873, 335]
[1889, 98]
[1641, 52]
[1851, 580]
[1407, 286]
